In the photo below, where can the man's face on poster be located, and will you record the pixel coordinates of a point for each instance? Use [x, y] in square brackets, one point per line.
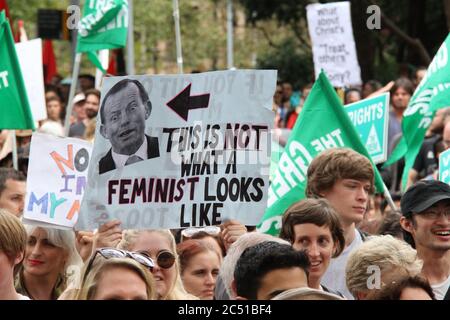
[124, 120]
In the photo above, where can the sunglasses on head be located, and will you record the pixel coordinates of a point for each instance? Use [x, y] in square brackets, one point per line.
[109, 253]
[211, 230]
[165, 259]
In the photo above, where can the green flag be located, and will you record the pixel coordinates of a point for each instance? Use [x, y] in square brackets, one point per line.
[432, 94]
[15, 110]
[104, 25]
[322, 124]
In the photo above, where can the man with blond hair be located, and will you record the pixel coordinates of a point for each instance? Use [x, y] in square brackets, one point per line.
[380, 260]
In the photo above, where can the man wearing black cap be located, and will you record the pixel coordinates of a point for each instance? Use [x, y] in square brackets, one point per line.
[426, 224]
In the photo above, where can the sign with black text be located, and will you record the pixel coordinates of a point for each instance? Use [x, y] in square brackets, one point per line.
[181, 150]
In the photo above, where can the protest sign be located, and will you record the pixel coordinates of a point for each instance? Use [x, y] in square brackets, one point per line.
[370, 118]
[333, 45]
[322, 124]
[14, 106]
[433, 93]
[29, 54]
[104, 25]
[444, 166]
[181, 150]
[57, 177]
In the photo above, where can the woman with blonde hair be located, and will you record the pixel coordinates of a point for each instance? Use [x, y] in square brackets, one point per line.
[113, 274]
[161, 247]
[50, 261]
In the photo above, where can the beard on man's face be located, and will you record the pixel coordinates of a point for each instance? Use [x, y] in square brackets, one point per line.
[90, 113]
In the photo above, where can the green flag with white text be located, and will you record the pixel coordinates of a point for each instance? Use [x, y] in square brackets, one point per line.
[104, 25]
[15, 110]
[432, 94]
[322, 124]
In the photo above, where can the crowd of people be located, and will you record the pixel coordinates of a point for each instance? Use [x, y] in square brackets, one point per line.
[342, 242]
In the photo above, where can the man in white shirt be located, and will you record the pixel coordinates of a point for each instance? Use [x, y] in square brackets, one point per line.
[123, 113]
[426, 224]
[345, 178]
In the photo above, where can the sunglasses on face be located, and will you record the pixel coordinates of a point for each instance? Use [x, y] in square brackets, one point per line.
[165, 259]
[109, 253]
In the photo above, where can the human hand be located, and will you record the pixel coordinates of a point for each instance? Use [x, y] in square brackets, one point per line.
[231, 231]
[84, 241]
[386, 88]
[108, 235]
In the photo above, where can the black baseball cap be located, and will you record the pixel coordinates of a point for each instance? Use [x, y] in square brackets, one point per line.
[422, 195]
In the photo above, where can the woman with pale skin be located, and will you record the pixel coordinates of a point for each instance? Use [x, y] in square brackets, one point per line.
[49, 254]
[313, 225]
[160, 246]
[199, 268]
[113, 274]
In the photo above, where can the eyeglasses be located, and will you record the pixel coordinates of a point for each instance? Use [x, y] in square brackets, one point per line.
[212, 230]
[436, 214]
[109, 253]
[165, 259]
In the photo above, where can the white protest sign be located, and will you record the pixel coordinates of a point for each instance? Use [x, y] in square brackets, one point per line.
[181, 150]
[57, 177]
[333, 45]
[29, 54]
[444, 166]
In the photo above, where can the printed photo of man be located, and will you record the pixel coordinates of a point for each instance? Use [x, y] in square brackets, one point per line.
[123, 113]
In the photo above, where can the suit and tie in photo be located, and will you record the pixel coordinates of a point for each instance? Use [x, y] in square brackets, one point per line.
[124, 110]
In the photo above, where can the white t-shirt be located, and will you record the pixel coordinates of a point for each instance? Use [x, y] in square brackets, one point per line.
[334, 277]
[440, 289]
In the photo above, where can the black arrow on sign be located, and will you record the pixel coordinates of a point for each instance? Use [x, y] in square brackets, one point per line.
[183, 102]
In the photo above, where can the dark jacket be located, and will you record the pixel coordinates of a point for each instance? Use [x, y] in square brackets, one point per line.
[107, 162]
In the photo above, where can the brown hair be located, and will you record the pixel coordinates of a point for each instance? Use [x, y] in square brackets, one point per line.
[10, 173]
[202, 235]
[334, 164]
[94, 92]
[403, 83]
[318, 212]
[188, 249]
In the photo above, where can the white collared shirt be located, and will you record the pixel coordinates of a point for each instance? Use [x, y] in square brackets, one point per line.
[121, 159]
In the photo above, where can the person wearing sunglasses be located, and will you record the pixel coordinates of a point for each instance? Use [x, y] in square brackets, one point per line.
[199, 268]
[160, 246]
[113, 274]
